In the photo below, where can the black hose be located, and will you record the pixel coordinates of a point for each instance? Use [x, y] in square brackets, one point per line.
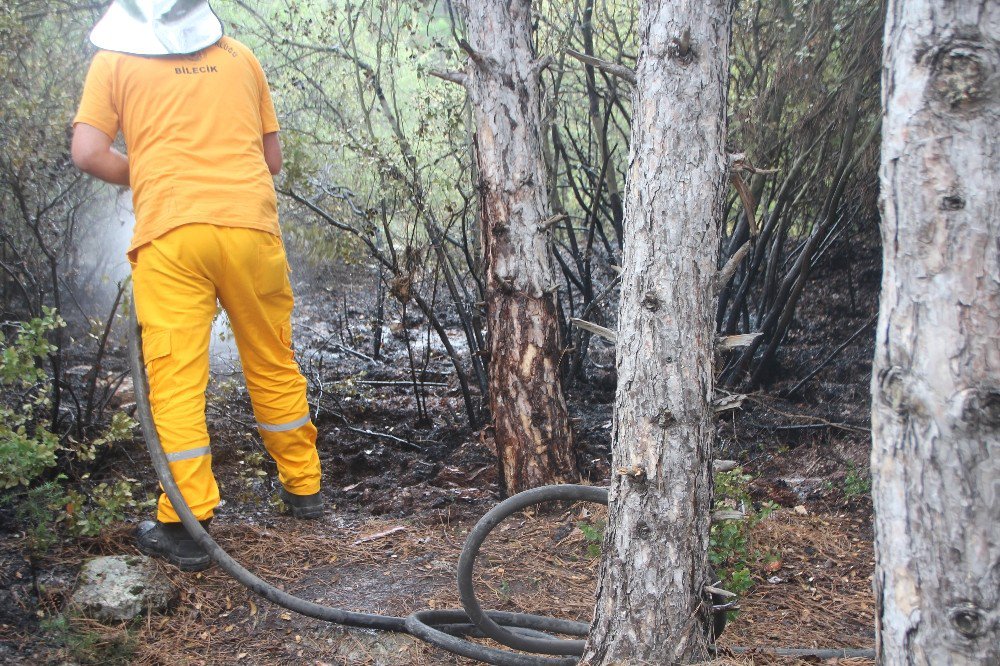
[198, 533]
[491, 623]
[439, 627]
[442, 628]
[478, 535]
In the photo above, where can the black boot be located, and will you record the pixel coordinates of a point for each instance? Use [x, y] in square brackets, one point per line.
[305, 507]
[172, 542]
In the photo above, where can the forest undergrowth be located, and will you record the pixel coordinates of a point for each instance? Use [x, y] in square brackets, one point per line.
[405, 485]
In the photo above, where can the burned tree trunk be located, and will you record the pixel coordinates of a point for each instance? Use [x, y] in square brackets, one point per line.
[936, 378]
[651, 607]
[531, 424]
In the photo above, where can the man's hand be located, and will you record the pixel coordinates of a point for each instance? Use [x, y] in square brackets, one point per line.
[92, 153]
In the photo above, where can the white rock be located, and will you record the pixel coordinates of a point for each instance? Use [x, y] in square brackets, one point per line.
[120, 588]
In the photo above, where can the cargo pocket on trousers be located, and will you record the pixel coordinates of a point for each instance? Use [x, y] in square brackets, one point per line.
[155, 344]
[272, 270]
[285, 335]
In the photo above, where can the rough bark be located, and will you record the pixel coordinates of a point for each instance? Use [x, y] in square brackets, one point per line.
[531, 425]
[936, 380]
[651, 608]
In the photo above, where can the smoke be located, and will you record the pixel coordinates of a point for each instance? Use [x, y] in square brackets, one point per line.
[102, 241]
[102, 265]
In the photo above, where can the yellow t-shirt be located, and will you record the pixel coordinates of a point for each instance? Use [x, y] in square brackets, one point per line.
[193, 127]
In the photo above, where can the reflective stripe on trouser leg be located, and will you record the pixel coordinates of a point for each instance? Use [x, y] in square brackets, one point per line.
[197, 483]
[177, 456]
[258, 297]
[175, 304]
[295, 453]
[284, 427]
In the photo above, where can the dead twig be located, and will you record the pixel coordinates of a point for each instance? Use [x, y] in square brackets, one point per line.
[384, 435]
[833, 355]
[818, 422]
[597, 330]
[377, 382]
[621, 71]
[731, 342]
[727, 271]
[379, 535]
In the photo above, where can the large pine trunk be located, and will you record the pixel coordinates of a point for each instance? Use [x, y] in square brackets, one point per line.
[936, 381]
[651, 608]
[531, 424]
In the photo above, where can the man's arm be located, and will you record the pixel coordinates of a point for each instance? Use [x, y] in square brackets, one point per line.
[272, 153]
[92, 153]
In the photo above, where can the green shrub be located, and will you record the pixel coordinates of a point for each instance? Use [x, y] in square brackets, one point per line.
[87, 513]
[84, 644]
[729, 540]
[50, 510]
[27, 446]
[31, 454]
[857, 484]
[594, 534]
[23, 455]
[41, 509]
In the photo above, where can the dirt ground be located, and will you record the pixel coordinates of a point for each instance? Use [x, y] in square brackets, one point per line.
[404, 488]
[816, 595]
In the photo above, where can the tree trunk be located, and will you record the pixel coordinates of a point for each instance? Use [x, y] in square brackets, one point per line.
[651, 608]
[531, 425]
[936, 377]
[598, 125]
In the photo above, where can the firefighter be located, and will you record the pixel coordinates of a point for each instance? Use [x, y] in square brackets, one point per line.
[201, 136]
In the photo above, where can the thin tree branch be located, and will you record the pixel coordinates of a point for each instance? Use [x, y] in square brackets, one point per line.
[727, 271]
[461, 78]
[621, 71]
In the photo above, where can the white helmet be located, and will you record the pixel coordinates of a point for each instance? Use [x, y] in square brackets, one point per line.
[157, 27]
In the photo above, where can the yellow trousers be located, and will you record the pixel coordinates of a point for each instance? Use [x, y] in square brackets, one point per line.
[178, 279]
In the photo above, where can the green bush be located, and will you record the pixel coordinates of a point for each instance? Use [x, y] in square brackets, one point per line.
[729, 540]
[86, 513]
[33, 458]
[594, 534]
[27, 446]
[50, 509]
[857, 483]
[84, 643]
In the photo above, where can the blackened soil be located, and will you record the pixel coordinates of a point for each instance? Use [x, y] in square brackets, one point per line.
[396, 440]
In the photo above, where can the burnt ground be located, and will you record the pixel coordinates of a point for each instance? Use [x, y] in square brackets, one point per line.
[405, 487]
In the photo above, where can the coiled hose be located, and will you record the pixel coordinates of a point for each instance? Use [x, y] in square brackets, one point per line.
[442, 628]
[445, 629]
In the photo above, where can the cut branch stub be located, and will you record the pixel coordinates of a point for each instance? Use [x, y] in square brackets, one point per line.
[747, 198]
[728, 403]
[542, 63]
[461, 78]
[729, 269]
[597, 330]
[727, 514]
[621, 71]
[481, 60]
[730, 342]
[551, 221]
[739, 162]
[725, 465]
[721, 592]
